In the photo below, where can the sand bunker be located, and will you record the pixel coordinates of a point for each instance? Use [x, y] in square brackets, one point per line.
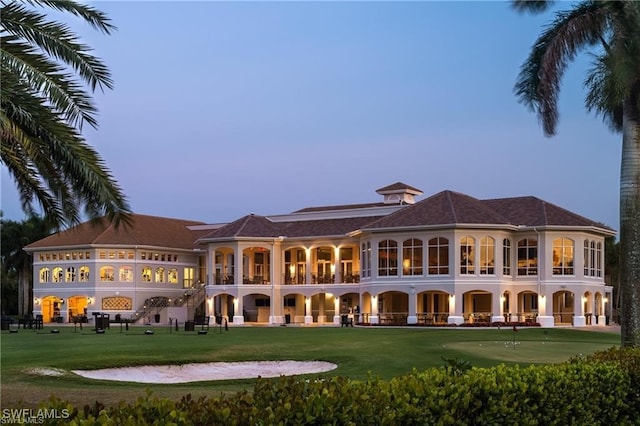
[207, 371]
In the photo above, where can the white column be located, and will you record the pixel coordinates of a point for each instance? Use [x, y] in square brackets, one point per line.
[578, 310]
[455, 309]
[497, 314]
[308, 318]
[412, 318]
[336, 310]
[238, 317]
[373, 318]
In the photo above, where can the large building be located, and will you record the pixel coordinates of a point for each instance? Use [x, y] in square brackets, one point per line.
[447, 259]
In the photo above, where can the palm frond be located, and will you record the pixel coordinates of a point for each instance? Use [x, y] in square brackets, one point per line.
[531, 6]
[97, 19]
[538, 84]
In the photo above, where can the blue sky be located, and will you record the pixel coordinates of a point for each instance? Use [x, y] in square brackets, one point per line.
[221, 109]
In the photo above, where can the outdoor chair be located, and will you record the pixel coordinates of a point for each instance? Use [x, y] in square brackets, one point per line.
[346, 321]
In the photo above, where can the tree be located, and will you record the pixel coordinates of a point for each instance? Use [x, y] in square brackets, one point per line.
[44, 104]
[17, 265]
[610, 31]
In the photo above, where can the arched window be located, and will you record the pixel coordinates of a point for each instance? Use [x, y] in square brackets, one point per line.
[160, 274]
[387, 258]
[467, 253]
[57, 274]
[126, 274]
[45, 275]
[106, 273]
[562, 256]
[506, 256]
[412, 257]
[70, 275]
[438, 248]
[146, 274]
[173, 276]
[528, 256]
[487, 256]
[84, 274]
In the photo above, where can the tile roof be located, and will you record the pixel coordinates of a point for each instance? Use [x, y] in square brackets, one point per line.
[443, 208]
[261, 227]
[449, 208]
[144, 230]
[532, 211]
[340, 207]
[398, 186]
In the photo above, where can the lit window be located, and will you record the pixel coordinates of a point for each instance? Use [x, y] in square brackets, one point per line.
[126, 274]
[487, 256]
[84, 274]
[160, 275]
[467, 254]
[57, 274]
[146, 274]
[387, 258]
[106, 273]
[438, 256]
[506, 257]
[173, 276]
[412, 257]
[45, 275]
[562, 256]
[528, 257]
[71, 274]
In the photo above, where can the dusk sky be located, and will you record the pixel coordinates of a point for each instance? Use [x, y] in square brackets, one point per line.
[221, 109]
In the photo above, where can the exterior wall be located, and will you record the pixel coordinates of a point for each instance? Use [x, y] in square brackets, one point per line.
[370, 299]
[96, 291]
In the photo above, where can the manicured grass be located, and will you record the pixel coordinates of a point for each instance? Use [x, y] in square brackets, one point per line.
[383, 352]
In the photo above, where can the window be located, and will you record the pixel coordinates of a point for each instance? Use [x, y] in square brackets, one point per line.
[188, 278]
[106, 273]
[562, 256]
[70, 275]
[592, 259]
[160, 275]
[57, 274]
[387, 258]
[587, 257]
[412, 257]
[466, 255]
[506, 256]
[45, 275]
[487, 256]
[324, 265]
[84, 274]
[528, 257]
[599, 259]
[126, 274]
[173, 276]
[346, 264]
[366, 259]
[146, 274]
[438, 256]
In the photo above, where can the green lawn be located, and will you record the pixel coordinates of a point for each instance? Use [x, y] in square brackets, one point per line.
[358, 352]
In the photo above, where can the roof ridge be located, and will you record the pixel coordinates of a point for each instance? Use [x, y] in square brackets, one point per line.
[453, 210]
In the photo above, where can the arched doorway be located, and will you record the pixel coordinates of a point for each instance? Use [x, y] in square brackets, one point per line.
[477, 306]
[432, 307]
[393, 308]
[563, 307]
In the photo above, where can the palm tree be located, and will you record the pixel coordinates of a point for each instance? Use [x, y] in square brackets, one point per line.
[610, 30]
[17, 265]
[44, 103]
